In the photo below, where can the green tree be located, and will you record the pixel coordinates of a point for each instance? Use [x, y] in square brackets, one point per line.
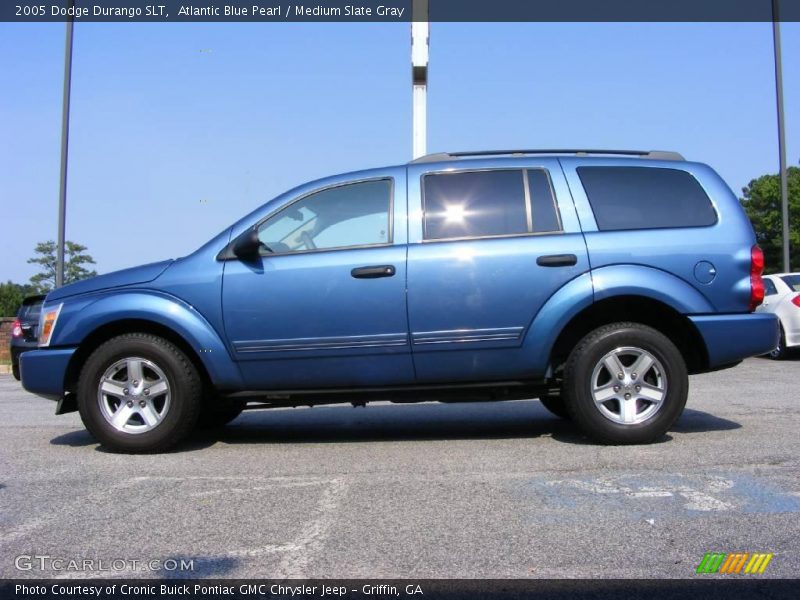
[74, 260]
[11, 297]
[762, 203]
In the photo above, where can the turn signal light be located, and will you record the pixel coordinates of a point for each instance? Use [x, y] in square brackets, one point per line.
[48, 324]
[756, 283]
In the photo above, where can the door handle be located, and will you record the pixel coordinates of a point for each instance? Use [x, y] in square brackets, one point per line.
[373, 272]
[557, 260]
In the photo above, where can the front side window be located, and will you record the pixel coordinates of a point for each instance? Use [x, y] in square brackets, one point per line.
[769, 288]
[645, 198]
[477, 204]
[356, 214]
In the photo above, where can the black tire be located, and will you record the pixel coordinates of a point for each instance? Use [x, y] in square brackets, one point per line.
[15, 371]
[555, 404]
[184, 389]
[585, 363]
[780, 351]
[218, 412]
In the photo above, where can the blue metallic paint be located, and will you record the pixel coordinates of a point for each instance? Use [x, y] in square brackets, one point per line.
[730, 338]
[726, 245]
[648, 282]
[43, 371]
[572, 298]
[78, 320]
[132, 276]
[455, 310]
[461, 290]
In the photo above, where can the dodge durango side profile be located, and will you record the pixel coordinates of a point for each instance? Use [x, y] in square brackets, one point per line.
[596, 281]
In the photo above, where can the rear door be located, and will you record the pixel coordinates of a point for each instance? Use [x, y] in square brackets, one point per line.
[489, 244]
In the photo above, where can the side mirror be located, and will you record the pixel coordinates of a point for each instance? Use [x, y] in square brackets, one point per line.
[247, 245]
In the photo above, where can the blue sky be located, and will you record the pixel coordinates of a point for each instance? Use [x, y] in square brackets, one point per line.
[177, 130]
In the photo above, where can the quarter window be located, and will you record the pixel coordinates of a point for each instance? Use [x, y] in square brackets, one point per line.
[488, 203]
[645, 198]
[356, 214]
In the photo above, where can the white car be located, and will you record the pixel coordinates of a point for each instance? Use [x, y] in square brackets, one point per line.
[782, 297]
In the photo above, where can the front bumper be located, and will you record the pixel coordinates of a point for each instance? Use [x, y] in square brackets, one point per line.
[43, 372]
[731, 338]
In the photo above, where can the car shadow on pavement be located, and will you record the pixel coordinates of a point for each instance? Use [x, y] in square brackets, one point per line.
[389, 422]
[75, 438]
[697, 421]
[400, 423]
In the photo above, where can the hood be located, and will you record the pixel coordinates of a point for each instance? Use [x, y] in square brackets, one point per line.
[132, 276]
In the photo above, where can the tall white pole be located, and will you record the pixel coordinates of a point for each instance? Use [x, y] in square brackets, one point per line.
[776, 43]
[62, 192]
[419, 76]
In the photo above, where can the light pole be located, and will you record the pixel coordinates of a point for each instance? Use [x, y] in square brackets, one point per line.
[62, 192]
[419, 75]
[776, 43]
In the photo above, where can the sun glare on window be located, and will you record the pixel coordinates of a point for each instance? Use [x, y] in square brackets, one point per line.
[455, 213]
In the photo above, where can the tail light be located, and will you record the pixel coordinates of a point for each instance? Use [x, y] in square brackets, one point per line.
[796, 301]
[16, 329]
[756, 283]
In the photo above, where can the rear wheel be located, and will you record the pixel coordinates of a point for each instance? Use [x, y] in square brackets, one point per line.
[15, 370]
[625, 383]
[139, 393]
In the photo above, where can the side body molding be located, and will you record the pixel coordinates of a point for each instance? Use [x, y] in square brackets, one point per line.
[163, 309]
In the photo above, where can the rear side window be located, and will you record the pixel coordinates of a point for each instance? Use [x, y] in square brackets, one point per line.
[477, 204]
[645, 198]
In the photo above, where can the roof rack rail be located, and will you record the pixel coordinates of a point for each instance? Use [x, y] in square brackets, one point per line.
[651, 154]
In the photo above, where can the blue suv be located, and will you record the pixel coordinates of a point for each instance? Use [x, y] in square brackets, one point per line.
[596, 281]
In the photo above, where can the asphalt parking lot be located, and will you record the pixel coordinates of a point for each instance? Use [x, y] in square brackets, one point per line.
[430, 490]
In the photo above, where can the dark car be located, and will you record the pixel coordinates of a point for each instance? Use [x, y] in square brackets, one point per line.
[25, 331]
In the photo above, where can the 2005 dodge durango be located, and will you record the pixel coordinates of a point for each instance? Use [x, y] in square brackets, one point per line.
[597, 281]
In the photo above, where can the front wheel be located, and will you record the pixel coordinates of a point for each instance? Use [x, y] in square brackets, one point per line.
[625, 383]
[139, 393]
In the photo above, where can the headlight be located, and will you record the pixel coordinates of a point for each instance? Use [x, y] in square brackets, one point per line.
[47, 324]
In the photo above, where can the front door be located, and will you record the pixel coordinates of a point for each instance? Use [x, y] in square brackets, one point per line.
[324, 305]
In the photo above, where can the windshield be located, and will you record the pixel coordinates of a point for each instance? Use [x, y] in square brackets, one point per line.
[793, 281]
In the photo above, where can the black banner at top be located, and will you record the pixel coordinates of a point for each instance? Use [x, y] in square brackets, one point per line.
[246, 11]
